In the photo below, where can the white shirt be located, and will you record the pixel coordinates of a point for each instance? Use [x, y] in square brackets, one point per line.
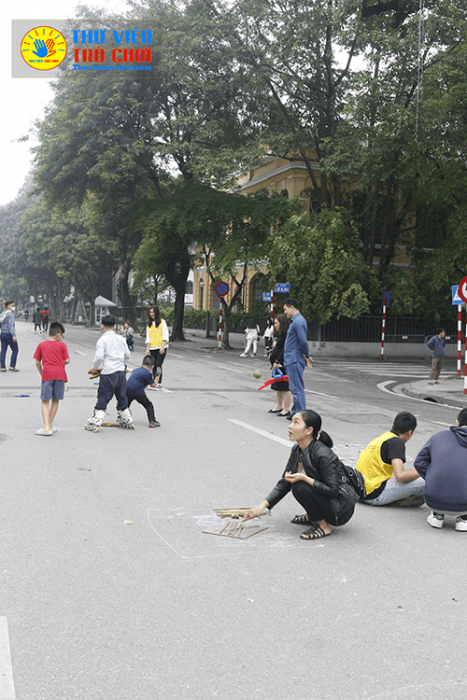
[112, 353]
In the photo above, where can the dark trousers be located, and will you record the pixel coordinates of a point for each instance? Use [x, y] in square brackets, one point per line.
[8, 342]
[110, 385]
[158, 359]
[316, 505]
[45, 324]
[144, 401]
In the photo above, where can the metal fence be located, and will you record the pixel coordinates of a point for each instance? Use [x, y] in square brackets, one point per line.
[367, 329]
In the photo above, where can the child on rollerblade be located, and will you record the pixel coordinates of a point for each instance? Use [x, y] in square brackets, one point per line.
[51, 356]
[112, 353]
[137, 382]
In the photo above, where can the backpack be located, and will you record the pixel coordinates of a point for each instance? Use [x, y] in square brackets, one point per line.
[355, 479]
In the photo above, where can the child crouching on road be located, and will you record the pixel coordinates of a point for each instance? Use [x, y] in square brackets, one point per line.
[136, 384]
[113, 354]
[51, 356]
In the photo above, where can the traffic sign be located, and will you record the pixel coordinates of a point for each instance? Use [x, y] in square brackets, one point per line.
[266, 296]
[462, 290]
[282, 287]
[455, 295]
[221, 289]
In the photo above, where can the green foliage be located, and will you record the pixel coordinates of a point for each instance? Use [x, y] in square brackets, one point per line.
[320, 259]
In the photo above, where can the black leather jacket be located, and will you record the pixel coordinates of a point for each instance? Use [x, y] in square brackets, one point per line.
[320, 463]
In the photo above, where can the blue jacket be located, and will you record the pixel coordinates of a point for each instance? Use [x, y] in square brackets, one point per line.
[442, 462]
[296, 344]
[437, 345]
[138, 381]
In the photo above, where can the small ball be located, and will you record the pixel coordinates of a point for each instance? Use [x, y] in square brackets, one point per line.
[257, 374]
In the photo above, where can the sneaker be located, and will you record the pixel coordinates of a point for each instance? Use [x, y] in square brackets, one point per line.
[154, 424]
[41, 431]
[54, 429]
[243, 355]
[437, 520]
[461, 524]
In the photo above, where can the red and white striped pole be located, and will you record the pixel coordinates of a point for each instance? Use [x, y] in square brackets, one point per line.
[272, 301]
[383, 329]
[465, 356]
[220, 327]
[459, 339]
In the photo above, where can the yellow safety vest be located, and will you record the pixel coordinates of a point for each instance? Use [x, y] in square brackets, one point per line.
[370, 464]
[155, 335]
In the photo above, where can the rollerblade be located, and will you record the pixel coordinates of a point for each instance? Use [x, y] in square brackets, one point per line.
[94, 423]
[125, 419]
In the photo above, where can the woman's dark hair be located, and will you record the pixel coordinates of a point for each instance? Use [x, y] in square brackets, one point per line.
[283, 324]
[251, 323]
[269, 322]
[157, 316]
[313, 420]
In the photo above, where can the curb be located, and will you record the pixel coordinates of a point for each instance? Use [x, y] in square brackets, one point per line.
[449, 399]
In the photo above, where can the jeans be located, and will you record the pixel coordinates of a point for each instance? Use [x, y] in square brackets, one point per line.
[8, 342]
[144, 401]
[110, 384]
[397, 491]
[296, 385]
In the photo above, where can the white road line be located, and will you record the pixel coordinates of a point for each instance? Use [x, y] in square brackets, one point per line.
[328, 396]
[259, 432]
[231, 369]
[383, 385]
[439, 423]
[78, 352]
[180, 357]
[7, 688]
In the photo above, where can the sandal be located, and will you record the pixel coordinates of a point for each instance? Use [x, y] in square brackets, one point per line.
[301, 519]
[314, 533]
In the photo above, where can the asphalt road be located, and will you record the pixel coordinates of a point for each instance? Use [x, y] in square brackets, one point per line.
[111, 590]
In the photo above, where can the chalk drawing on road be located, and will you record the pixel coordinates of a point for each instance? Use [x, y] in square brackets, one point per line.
[185, 538]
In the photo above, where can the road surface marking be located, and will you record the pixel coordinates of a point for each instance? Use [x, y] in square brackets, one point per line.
[78, 352]
[7, 688]
[328, 396]
[382, 387]
[231, 369]
[264, 433]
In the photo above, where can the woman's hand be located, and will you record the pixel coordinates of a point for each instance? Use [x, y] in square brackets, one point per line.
[162, 350]
[256, 511]
[293, 478]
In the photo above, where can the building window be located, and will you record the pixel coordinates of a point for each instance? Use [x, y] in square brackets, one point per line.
[257, 290]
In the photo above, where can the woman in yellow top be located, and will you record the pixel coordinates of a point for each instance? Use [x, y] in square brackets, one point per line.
[157, 341]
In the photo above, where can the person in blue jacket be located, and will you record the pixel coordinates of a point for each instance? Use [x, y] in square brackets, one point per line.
[442, 462]
[436, 345]
[296, 354]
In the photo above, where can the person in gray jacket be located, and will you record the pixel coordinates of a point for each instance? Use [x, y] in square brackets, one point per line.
[8, 337]
[442, 462]
[436, 345]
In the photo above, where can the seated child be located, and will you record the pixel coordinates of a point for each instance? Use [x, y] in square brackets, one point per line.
[136, 384]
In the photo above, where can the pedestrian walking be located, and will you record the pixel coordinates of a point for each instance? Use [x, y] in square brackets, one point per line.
[37, 320]
[45, 316]
[296, 354]
[128, 333]
[51, 356]
[436, 345]
[157, 342]
[8, 337]
[251, 335]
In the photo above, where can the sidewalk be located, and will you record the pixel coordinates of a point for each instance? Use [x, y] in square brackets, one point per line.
[450, 390]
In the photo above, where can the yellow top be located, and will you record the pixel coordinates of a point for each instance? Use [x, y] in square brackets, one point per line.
[370, 464]
[155, 335]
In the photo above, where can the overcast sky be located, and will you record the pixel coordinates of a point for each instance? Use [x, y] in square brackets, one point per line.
[24, 99]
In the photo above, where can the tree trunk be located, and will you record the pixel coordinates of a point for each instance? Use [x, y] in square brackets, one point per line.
[128, 300]
[177, 274]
